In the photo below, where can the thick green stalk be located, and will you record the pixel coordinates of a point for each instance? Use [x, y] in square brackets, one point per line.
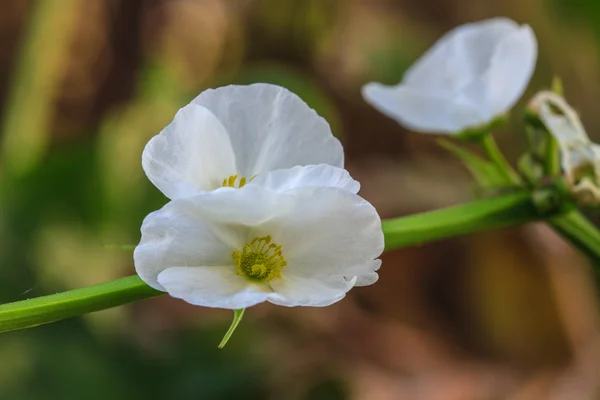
[575, 227]
[55, 307]
[506, 210]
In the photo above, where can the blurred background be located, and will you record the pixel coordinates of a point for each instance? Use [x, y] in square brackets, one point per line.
[511, 314]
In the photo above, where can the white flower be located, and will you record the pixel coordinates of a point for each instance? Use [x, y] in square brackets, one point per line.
[472, 75]
[579, 156]
[228, 135]
[294, 237]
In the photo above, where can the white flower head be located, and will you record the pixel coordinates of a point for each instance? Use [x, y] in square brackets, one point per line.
[580, 158]
[226, 136]
[471, 76]
[294, 237]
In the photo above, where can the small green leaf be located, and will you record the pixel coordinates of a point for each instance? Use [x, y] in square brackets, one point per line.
[531, 168]
[487, 175]
[237, 318]
[544, 148]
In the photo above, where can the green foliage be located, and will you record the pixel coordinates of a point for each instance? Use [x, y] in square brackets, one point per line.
[184, 365]
[487, 175]
[35, 85]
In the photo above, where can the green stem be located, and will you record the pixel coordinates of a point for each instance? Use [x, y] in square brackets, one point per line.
[552, 158]
[575, 227]
[55, 307]
[496, 156]
[237, 318]
[509, 209]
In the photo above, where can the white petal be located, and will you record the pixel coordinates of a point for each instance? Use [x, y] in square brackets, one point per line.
[324, 175]
[566, 127]
[250, 205]
[216, 286]
[366, 273]
[470, 76]
[367, 279]
[271, 128]
[193, 153]
[459, 56]
[586, 192]
[179, 235]
[299, 291]
[510, 70]
[328, 234]
[421, 111]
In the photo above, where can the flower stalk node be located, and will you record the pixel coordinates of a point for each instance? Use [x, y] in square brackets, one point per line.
[552, 200]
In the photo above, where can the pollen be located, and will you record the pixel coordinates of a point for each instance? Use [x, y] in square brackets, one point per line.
[260, 259]
[233, 181]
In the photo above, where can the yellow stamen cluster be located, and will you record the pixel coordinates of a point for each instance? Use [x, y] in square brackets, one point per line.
[233, 183]
[260, 259]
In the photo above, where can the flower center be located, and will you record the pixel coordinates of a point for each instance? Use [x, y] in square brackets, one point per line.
[260, 259]
[233, 182]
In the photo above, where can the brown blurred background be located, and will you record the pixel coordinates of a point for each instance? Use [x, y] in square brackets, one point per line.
[84, 84]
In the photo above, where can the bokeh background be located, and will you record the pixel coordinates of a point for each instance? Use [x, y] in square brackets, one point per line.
[84, 84]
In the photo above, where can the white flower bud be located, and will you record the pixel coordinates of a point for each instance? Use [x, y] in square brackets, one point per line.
[471, 76]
